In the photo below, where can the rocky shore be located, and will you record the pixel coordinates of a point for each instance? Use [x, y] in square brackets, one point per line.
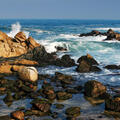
[20, 57]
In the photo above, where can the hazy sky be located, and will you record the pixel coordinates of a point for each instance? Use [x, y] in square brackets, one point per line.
[62, 9]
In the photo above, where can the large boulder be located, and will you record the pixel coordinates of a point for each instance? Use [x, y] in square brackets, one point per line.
[19, 115]
[94, 89]
[87, 64]
[28, 74]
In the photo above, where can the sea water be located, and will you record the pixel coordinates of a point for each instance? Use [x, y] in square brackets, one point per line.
[64, 33]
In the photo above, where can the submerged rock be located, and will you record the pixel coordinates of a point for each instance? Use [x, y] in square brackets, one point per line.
[112, 67]
[28, 74]
[73, 111]
[94, 89]
[63, 95]
[41, 104]
[58, 48]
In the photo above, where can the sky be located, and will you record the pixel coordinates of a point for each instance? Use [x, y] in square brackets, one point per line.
[60, 9]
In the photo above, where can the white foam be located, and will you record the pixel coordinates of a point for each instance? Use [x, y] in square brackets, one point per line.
[50, 46]
[105, 29]
[39, 31]
[16, 28]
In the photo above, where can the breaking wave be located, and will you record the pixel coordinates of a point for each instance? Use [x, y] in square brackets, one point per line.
[15, 28]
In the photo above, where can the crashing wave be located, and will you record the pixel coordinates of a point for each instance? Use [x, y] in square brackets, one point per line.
[15, 28]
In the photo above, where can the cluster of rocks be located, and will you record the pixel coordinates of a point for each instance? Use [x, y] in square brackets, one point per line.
[111, 35]
[18, 54]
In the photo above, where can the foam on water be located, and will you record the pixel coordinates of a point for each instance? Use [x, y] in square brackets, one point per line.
[105, 29]
[16, 28]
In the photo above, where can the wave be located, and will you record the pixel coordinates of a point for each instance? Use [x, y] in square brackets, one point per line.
[105, 29]
[39, 31]
[16, 28]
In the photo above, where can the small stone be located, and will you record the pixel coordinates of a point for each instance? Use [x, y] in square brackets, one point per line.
[59, 106]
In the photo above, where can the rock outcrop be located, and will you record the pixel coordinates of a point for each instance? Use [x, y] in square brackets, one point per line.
[87, 64]
[11, 47]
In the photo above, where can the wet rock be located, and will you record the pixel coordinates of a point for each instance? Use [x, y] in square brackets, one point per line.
[58, 48]
[48, 91]
[35, 112]
[64, 79]
[59, 106]
[19, 115]
[8, 97]
[111, 35]
[92, 33]
[113, 104]
[28, 74]
[5, 118]
[88, 59]
[112, 67]
[63, 95]
[85, 67]
[41, 104]
[72, 91]
[94, 89]
[54, 115]
[65, 61]
[73, 111]
[87, 64]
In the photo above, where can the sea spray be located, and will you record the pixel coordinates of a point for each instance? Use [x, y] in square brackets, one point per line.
[15, 28]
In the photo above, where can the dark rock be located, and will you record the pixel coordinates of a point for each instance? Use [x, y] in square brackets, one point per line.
[112, 104]
[72, 91]
[63, 95]
[92, 33]
[41, 104]
[94, 89]
[65, 61]
[112, 67]
[87, 64]
[88, 59]
[58, 48]
[64, 79]
[73, 111]
[59, 106]
[54, 115]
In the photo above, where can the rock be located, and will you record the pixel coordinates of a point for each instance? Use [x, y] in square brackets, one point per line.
[58, 48]
[92, 33]
[112, 67]
[19, 115]
[73, 111]
[65, 61]
[94, 89]
[112, 104]
[59, 106]
[21, 37]
[87, 64]
[63, 95]
[8, 97]
[32, 43]
[28, 74]
[85, 67]
[64, 79]
[88, 59]
[41, 104]
[111, 35]
[5, 69]
[48, 91]
[72, 90]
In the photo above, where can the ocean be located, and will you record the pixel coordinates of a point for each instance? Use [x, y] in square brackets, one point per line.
[64, 33]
